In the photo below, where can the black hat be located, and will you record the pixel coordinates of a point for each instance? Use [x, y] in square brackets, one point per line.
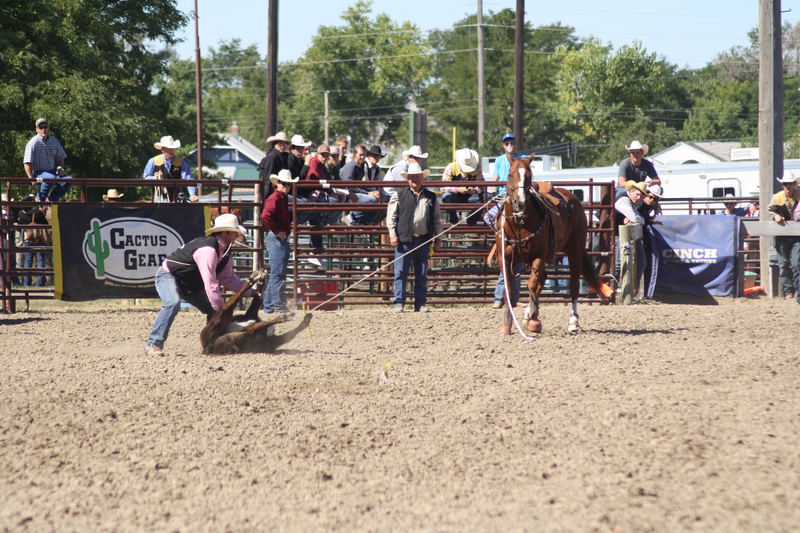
[376, 150]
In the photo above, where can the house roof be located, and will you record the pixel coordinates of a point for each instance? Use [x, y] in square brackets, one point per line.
[696, 152]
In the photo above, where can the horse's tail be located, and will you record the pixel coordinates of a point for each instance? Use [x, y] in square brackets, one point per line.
[590, 275]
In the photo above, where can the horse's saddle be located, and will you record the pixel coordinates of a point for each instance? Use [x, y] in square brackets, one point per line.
[557, 227]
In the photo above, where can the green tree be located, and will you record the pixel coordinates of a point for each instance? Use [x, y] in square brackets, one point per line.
[451, 98]
[89, 68]
[602, 93]
[370, 67]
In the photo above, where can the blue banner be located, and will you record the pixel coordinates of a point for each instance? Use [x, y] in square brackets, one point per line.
[113, 252]
[695, 254]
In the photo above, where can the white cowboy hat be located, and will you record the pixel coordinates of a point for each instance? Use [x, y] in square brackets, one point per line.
[298, 140]
[227, 222]
[467, 159]
[167, 142]
[788, 177]
[655, 190]
[414, 168]
[112, 194]
[284, 176]
[280, 136]
[636, 145]
[416, 151]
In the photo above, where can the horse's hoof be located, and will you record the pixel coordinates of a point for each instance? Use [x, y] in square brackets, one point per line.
[534, 326]
[504, 330]
[573, 327]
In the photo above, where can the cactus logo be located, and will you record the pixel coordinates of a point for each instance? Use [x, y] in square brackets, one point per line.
[128, 250]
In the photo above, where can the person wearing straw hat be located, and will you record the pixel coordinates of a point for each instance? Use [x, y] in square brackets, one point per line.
[465, 168]
[275, 218]
[168, 166]
[275, 160]
[636, 168]
[112, 196]
[413, 219]
[782, 206]
[194, 273]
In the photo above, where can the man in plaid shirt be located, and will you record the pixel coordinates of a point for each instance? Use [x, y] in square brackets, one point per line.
[44, 158]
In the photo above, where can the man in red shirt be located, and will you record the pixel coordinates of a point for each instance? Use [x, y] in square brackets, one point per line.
[275, 218]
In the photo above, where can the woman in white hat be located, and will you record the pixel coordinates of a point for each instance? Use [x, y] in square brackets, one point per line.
[465, 168]
[194, 273]
[636, 168]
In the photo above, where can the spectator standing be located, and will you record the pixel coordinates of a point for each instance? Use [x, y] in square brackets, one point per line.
[194, 273]
[413, 219]
[275, 160]
[297, 164]
[788, 246]
[465, 168]
[502, 166]
[275, 218]
[168, 166]
[33, 235]
[44, 159]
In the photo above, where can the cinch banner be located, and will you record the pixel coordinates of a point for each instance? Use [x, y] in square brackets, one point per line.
[695, 254]
[113, 252]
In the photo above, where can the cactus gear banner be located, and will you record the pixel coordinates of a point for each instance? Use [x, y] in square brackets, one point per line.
[113, 252]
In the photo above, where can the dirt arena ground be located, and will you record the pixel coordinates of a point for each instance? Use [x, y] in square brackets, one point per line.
[660, 417]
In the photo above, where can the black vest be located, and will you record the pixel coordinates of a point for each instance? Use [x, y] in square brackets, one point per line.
[183, 268]
[406, 206]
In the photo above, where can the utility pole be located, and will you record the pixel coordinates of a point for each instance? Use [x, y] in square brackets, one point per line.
[519, 74]
[272, 69]
[770, 122]
[198, 87]
[326, 118]
[481, 82]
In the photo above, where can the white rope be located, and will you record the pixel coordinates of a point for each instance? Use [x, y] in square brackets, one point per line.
[426, 243]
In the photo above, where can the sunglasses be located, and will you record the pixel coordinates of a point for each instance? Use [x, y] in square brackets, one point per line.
[510, 142]
[42, 127]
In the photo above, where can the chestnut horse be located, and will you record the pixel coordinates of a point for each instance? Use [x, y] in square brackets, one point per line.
[530, 230]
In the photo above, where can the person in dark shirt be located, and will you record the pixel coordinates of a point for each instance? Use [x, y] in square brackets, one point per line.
[276, 220]
[636, 168]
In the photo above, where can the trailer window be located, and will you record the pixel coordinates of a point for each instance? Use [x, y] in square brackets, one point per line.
[721, 192]
[578, 193]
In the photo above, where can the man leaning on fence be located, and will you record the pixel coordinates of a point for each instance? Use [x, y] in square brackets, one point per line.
[783, 207]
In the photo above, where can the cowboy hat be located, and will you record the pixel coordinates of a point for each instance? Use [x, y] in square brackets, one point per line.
[299, 141]
[376, 151]
[636, 145]
[655, 191]
[227, 222]
[467, 159]
[112, 195]
[642, 186]
[788, 177]
[416, 151]
[167, 142]
[414, 168]
[280, 136]
[284, 176]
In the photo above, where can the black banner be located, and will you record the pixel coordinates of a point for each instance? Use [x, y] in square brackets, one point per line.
[113, 252]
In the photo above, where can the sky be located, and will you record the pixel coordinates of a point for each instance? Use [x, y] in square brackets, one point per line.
[688, 33]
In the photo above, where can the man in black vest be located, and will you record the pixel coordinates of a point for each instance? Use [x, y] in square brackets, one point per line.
[194, 273]
[413, 218]
[275, 160]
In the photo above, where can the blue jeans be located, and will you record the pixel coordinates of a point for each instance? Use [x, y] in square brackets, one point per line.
[788, 249]
[462, 198]
[402, 266]
[28, 263]
[274, 295]
[500, 288]
[49, 189]
[309, 217]
[170, 295]
[364, 217]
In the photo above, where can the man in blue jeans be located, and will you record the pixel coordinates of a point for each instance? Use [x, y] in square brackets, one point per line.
[276, 220]
[194, 273]
[413, 219]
